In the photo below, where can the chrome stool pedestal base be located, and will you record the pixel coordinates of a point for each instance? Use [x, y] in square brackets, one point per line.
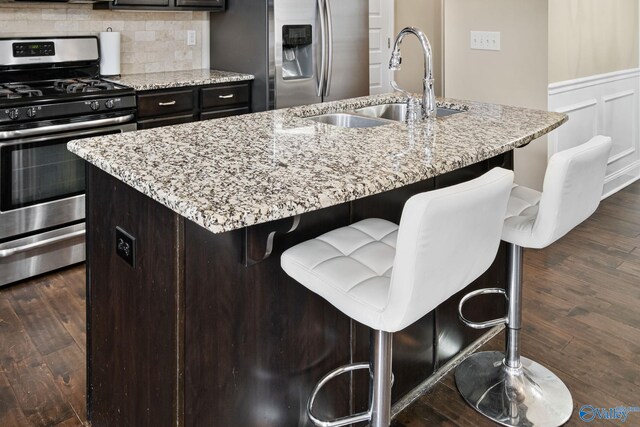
[530, 395]
[506, 387]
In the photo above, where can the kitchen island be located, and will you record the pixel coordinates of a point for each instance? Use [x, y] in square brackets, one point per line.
[199, 325]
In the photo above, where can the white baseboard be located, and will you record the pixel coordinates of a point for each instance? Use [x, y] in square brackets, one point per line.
[621, 179]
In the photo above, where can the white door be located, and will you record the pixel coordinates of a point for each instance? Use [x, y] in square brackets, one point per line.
[380, 39]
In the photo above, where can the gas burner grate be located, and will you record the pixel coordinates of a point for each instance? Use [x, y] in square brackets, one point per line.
[90, 82]
[16, 86]
[63, 84]
[29, 92]
[82, 85]
[8, 93]
[18, 90]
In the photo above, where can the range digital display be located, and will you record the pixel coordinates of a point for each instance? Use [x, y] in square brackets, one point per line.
[26, 49]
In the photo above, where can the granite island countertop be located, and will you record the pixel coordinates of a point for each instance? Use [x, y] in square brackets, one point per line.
[234, 172]
[173, 79]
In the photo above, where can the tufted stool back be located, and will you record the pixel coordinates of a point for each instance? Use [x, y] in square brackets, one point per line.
[447, 238]
[571, 193]
[387, 277]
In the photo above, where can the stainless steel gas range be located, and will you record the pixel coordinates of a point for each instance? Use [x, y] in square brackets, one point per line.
[50, 93]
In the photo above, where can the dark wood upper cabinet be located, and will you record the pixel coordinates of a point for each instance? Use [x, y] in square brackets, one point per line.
[200, 4]
[175, 5]
[163, 3]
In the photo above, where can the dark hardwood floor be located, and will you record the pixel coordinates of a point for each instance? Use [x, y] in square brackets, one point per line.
[581, 319]
[42, 351]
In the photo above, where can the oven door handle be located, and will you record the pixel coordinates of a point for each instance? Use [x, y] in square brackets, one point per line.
[35, 245]
[104, 130]
[73, 134]
[22, 133]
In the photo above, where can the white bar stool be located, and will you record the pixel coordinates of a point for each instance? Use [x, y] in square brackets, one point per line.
[509, 389]
[387, 277]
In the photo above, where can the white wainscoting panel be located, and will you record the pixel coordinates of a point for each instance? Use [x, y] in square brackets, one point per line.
[582, 125]
[607, 104]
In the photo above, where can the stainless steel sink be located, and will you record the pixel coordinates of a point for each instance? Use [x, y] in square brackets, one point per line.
[376, 115]
[397, 112]
[348, 120]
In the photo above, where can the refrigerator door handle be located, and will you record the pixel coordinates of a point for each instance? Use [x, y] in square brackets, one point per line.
[329, 50]
[323, 36]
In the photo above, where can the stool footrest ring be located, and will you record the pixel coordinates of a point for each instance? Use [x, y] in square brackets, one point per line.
[488, 323]
[351, 419]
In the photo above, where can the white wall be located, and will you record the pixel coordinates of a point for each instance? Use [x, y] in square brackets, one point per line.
[515, 75]
[591, 37]
[426, 15]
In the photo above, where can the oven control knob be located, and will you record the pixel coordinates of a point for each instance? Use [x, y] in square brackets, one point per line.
[95, 105]
[31, 112]
[109, 103]
[14, 114]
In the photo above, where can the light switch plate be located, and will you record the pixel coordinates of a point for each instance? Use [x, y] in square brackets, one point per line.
[191, 38]
[485, 40]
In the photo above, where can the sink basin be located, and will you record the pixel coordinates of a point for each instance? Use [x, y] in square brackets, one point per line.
[348, 120]
[376, 115]
[398, 111]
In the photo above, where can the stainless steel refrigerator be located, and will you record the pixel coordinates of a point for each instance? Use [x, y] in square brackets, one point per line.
[300, 51]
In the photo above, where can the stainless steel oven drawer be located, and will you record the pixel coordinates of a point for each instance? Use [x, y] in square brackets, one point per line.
[33, 255]
[46, 215]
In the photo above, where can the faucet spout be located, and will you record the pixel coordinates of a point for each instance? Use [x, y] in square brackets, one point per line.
[428, 91]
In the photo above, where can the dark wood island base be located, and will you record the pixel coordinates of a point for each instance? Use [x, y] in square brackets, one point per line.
[207, 330]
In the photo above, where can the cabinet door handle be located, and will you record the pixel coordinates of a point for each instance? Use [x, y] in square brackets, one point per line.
[225, 96]
[164, 104]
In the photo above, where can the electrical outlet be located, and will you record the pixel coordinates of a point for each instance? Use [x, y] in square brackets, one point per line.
[485, 40]
[191, 38]
[126, 246]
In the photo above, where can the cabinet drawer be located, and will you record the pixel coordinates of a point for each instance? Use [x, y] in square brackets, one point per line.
[165, 103]
[165, 121]
[218, 114]
[224, 96]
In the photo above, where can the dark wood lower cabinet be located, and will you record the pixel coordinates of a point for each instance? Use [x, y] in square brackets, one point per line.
[255, 340]
[133, 318]
[205, 332]
[165, 107]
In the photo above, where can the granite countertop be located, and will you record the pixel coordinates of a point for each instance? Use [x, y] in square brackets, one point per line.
[238, 171]
[170, 79]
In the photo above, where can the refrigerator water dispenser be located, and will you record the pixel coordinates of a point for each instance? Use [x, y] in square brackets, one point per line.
[297, 52]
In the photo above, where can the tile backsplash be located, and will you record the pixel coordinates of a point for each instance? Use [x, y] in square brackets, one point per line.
[150, 41]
